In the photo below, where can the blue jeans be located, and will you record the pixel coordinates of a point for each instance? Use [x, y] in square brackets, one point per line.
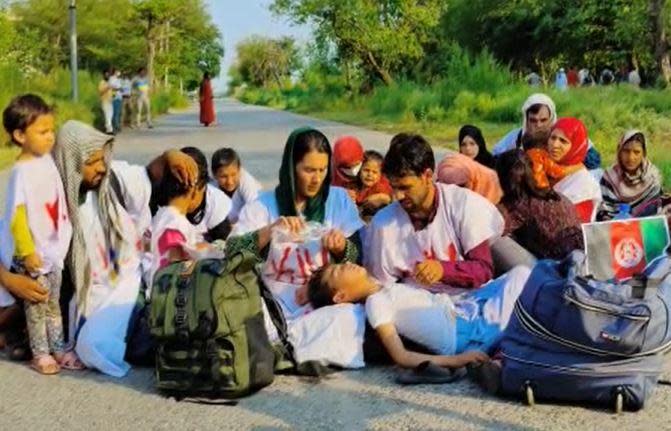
[117, 106]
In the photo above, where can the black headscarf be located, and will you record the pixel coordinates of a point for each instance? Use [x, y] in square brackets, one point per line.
[484, 157]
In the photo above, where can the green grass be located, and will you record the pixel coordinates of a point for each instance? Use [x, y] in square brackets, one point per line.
[439, 110]
[54, 87]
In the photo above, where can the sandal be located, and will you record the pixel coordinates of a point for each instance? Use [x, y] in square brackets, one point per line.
[69, 361]
[429, 373]
[45, 365]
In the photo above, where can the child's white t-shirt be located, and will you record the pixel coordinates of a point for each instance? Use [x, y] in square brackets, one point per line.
[37, 184]
[170, 229]
[217, 209]
[247, 191]
[417, 314]
[463, 220]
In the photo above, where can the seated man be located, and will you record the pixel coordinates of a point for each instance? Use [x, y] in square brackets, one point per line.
[538, 116]
[433, 235]
[456, 330]
[234, 180]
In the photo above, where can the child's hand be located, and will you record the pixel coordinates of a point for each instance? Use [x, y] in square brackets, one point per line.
[429, 272]
[472, 356]
[301, 295]
[32, 263]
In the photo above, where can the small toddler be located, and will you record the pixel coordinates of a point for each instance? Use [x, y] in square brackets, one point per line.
[374, 190]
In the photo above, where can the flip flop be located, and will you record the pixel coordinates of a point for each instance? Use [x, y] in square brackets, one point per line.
[430, 373]
[69, 361]
[45, 365]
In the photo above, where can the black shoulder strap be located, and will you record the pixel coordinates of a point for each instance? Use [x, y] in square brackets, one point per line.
[116, 188]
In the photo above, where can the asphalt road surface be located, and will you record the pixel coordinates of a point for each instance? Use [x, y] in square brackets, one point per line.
[352, 400]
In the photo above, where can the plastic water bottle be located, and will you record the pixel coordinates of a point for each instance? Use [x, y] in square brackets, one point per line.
[623, 212]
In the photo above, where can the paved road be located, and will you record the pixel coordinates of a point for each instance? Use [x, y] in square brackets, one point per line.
[345, 401]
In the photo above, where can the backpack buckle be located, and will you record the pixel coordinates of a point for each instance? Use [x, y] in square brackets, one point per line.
[180, 318]
[180, 300]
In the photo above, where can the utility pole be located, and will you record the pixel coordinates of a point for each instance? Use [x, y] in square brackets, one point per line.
[73, 50]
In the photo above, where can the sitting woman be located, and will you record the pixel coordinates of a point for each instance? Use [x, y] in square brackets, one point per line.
[457, 331]
[568, 146]
[460, 170]
[633, 180]
[305, 203]
[472, 144]
[347, 161]
[540, 219]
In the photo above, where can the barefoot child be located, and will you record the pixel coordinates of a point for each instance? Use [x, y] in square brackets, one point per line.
[37, 229]
[374, 189]
[174, 238]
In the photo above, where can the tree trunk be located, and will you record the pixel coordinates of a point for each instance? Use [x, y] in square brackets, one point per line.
[660, 41]
[379, 71]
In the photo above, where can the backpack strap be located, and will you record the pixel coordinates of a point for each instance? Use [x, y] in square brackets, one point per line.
[116, 188]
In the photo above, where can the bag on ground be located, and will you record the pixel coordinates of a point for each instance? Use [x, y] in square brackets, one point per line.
[208, 323]
[573, 338]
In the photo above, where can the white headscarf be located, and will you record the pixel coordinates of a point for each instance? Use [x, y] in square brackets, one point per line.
[538, 99]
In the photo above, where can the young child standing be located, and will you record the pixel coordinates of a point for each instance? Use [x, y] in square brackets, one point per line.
[174, 238]
[36, 228]
[374, 189]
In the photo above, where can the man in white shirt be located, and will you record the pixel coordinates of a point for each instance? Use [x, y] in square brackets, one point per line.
[435, 236]
[231, 178]
[456, 330]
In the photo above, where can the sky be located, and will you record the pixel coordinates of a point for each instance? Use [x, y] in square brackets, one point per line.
[239, 19]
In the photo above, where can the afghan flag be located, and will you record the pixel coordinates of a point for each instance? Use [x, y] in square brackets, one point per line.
[622, 248]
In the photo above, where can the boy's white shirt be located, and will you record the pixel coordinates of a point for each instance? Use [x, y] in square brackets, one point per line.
[334, 334]
[463, 221]
[217, 209]
[36, 184]
[424, 317]
[430, 318]
[247, 191]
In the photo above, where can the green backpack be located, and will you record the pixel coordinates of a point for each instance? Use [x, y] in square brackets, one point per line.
[207, 320]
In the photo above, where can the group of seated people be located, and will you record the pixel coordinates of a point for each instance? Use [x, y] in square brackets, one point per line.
[392, 247]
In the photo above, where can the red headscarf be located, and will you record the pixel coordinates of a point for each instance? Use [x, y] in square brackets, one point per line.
[576, 132]
[347, 152]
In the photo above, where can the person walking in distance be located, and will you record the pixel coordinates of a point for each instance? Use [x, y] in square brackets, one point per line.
[141, 86]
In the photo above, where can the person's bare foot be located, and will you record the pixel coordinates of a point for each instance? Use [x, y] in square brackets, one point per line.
[69, 361]
[45, 364]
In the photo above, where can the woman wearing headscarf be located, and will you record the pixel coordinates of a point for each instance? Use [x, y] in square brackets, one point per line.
[347, 161]
[473, 145]
[458, 169]
[567, 146]
[538, 218]
[305, 204]
[206, 98]
[633, 180]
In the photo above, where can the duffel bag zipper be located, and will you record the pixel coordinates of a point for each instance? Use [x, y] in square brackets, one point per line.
[604, 310]
[535, 328]
[578, 371]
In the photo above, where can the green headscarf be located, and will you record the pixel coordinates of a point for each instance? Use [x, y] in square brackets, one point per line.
[285, 193]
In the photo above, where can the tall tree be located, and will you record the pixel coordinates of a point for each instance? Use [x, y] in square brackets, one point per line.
[381, 35]
[658, 15]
